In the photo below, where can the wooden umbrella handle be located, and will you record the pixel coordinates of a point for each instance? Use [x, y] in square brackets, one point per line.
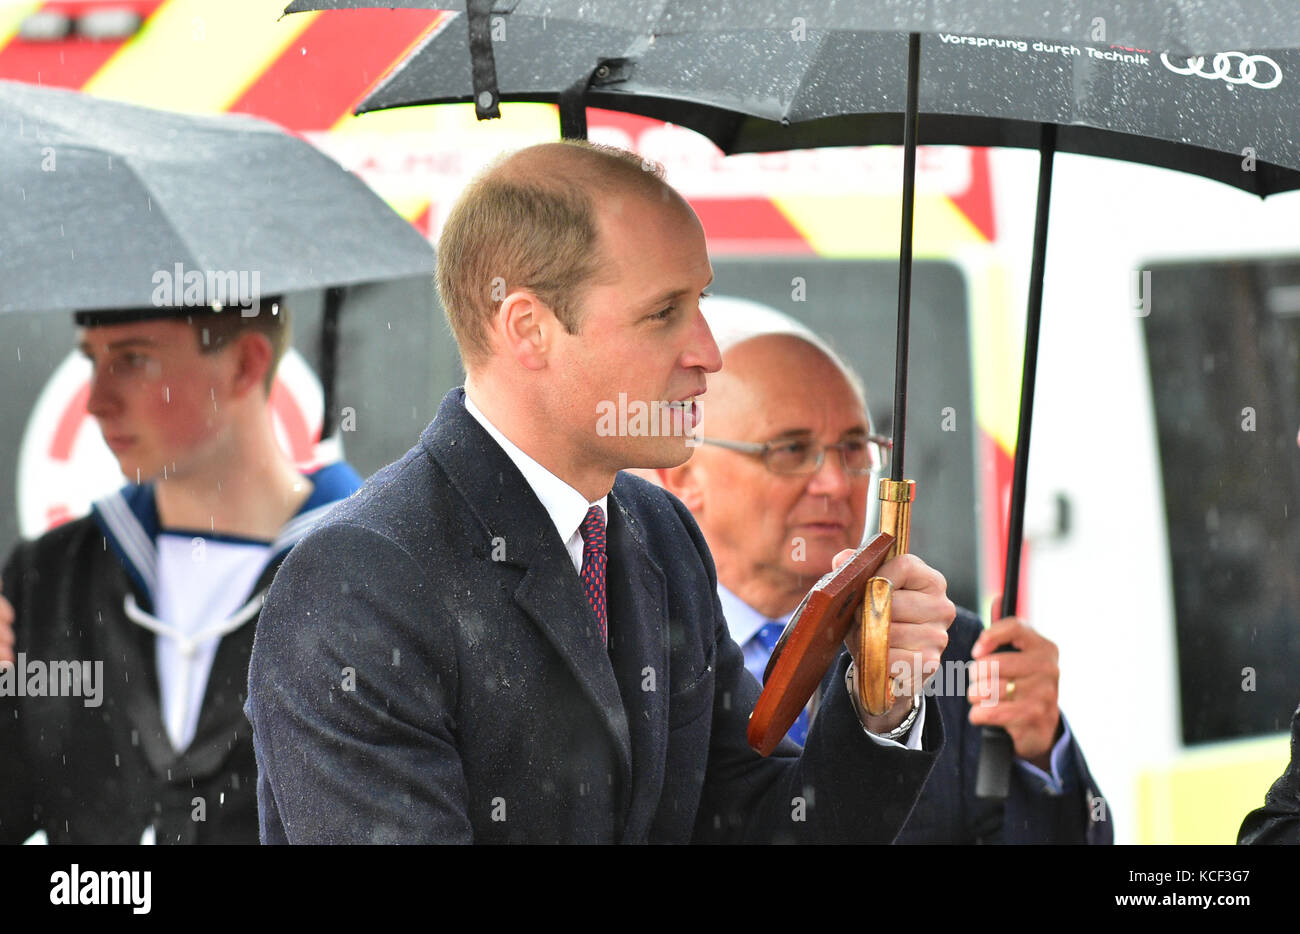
[875, 686]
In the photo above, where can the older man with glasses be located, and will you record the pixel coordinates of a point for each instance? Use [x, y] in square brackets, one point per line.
[780, 484]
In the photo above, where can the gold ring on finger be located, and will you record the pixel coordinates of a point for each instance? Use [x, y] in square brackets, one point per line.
[1011, 689]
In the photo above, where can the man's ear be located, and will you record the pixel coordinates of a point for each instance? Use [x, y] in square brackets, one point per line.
[524, 325]
[253, 357]
[683, 481]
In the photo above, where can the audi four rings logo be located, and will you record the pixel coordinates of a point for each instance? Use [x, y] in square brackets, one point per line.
[1232, 67]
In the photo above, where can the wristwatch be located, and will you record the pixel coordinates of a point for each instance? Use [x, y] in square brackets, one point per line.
[898, 732]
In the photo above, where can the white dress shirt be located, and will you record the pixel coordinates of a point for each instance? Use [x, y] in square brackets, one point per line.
[565, 505]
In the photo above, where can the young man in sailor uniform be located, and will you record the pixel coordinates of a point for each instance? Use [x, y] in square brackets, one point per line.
[162, 584]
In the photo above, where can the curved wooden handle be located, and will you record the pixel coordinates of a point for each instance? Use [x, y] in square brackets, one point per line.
[875, 686]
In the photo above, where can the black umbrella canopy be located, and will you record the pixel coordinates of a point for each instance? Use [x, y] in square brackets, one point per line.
[754, 91]
[103, 203]
[1177, 26]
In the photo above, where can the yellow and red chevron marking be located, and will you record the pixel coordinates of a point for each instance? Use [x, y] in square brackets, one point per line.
[66, 64]
[305, 72]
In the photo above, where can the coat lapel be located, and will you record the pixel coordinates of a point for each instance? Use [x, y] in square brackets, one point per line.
[132, 648]
[550, 593]
[221, 720]
[222, 723]
[638, 622]
[552, 598]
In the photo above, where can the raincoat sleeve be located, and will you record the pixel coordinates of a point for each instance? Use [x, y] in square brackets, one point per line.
[1075, 812]
[1278, 821]
[351, 698]
[17, 802]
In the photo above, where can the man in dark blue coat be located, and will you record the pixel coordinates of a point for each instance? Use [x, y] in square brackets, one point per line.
[780, 486]
[501, 638]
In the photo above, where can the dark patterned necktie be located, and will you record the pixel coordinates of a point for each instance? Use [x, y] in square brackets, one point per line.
[593, 567]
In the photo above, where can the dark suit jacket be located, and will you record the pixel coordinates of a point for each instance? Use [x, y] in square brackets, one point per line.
[409, 682]
[1278, 821]
[948, 810]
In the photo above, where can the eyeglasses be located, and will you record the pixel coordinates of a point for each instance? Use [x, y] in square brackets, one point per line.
[860, 456]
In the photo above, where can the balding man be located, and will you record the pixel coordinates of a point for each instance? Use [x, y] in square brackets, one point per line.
[502, 639]
[780, 486]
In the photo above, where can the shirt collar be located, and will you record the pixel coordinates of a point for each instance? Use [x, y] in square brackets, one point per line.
[565, 505]
[129, 521]
[743, 621]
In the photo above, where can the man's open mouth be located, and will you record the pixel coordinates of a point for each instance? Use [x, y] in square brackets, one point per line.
[686, 413]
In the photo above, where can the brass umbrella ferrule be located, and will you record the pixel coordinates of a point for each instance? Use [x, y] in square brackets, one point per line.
[896, 498]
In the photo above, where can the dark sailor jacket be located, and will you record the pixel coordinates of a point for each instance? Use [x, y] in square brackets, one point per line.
[101, 769]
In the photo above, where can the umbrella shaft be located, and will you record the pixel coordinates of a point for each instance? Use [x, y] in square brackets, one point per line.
[1033, 318]
[329, 358]
[905, 253]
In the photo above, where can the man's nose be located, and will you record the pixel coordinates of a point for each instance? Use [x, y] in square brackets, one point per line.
[831, 479]
[103, 400]
[702, 351]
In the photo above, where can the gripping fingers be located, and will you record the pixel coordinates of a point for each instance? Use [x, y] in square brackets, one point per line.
[991, 684]
[908, 572]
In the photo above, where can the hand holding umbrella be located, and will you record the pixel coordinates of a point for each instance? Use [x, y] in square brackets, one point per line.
[1018, 691]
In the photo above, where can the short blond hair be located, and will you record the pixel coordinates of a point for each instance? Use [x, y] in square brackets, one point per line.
[529, 222]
